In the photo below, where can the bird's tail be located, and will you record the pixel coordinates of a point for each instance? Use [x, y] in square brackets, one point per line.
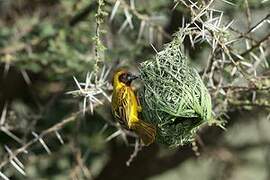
[146, 131]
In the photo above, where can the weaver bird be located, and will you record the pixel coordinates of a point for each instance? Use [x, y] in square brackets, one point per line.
[125, 107]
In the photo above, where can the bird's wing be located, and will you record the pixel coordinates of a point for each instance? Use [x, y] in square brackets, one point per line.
[123, 106]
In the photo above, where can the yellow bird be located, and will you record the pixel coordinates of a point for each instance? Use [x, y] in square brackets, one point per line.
[125, 107]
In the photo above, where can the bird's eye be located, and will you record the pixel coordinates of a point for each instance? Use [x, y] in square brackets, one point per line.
[123, 77]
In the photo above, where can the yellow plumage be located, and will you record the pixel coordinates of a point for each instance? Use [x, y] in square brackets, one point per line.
[125, 107]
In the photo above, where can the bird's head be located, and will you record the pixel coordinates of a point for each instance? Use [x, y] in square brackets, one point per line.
[123, 77]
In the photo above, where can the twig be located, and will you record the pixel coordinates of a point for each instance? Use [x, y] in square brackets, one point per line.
[256, 45]
[144, 18]
[137, 148]
[258, 24]
[52, 129]
[99, 47]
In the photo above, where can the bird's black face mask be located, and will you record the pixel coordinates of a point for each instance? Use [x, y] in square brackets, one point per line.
[127, 78]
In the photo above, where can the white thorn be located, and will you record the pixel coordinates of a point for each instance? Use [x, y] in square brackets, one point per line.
[129, 18]
[6, 69]
[105, 95]
[151, 34]
[258, 26]
[26, 77]
[84, 105]
[3, 176]
[132, 4]
[114, 10]
[78, 84]
[18, 168]
[59, 137]
[228, 2]
[91, 107]
[3, 115]
[154, 48]
[87, 81]
[42, 142]
[10, 134]
[141, 30]
[11, 154]
[123, 26]
[107, 73]
[103, 128]
[102, 74]
[115, 134]
[229, 24]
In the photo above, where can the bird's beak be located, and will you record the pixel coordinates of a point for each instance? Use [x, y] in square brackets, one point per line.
[131, 78]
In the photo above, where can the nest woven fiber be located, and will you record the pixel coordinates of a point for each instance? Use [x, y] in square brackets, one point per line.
[174, 97]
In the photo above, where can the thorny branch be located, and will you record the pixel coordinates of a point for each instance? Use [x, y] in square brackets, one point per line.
[50, 130]
[267, 37]
[144, 18]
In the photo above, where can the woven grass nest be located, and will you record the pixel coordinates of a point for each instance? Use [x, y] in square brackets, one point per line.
[173, 96]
